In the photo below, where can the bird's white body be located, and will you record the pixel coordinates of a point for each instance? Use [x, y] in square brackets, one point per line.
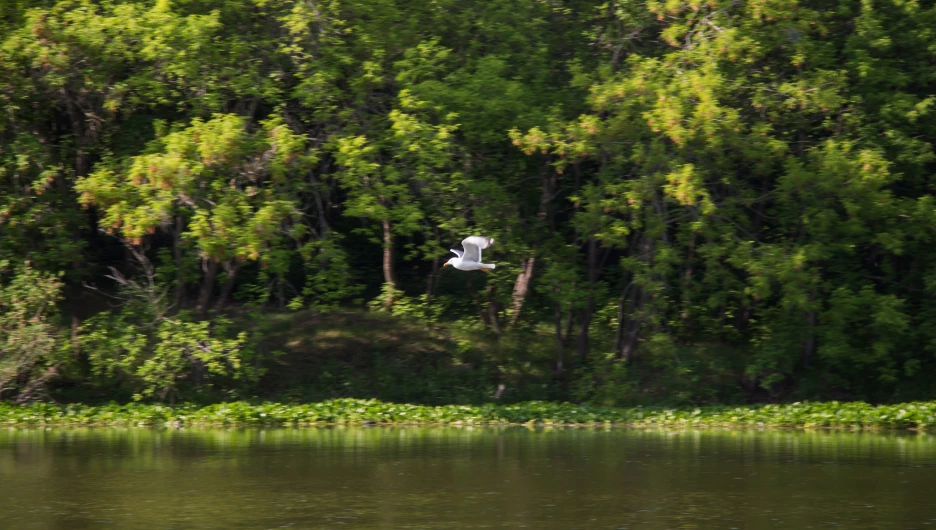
[462, 265]
[470, 258]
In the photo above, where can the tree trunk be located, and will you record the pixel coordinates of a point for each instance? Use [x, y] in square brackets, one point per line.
[231, 270]
[83, 137]
[281, 293]
[687, 284]
[76, 344]
[560, 343]
[570, 324]
[545, 217]
[583, 339]
[389, 277]
[207, 287]
[809, 343]
[430, 283]
[316, 188]
[493, 309]
[638, 299]
[177, 254]
[521, 286]
[631, 325]
[621, 318]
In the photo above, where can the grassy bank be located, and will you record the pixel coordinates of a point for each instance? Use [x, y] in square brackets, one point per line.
[856, 415]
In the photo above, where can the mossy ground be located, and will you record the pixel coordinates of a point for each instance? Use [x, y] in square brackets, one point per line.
[357, 354]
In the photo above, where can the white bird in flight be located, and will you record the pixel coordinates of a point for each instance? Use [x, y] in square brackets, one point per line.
[470, 258]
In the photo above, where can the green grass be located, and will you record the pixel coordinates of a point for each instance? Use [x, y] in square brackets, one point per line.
[855, 415]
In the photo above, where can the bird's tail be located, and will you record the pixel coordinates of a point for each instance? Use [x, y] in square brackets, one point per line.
[488, 266]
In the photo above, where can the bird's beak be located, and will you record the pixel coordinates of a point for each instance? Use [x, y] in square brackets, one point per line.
[445, 264]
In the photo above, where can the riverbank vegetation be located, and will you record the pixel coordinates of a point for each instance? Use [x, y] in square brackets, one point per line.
[919, 416]
[692, 202]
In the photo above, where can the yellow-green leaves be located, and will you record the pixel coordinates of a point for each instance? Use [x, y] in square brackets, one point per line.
[228, 181]
[686, 187]
[157, 358]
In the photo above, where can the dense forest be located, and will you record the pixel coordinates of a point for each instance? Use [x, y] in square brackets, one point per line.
[692, 201]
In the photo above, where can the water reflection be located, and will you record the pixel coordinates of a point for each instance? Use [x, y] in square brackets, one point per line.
[447, 477]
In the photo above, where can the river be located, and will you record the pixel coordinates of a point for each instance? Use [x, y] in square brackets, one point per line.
[450, 477]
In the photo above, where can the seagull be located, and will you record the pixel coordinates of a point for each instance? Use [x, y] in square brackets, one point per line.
[470, 258]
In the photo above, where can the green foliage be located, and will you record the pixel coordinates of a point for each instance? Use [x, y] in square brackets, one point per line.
[605, 383]
[692, 202]
[328, 276]
[164, 358]
[212, 173]
[28, 339]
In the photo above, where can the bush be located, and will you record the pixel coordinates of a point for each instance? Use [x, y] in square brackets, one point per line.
[164, 358]
[27, 339]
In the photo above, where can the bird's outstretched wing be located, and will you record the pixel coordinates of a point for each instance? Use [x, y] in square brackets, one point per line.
[473, 246]
[458, 253]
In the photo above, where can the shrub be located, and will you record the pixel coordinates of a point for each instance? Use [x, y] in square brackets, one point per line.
[156, 357]
[27, 338]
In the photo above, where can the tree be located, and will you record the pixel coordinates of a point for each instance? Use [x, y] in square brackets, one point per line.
[228, 187]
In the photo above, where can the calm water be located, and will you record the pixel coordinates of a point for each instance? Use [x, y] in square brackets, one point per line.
[418, 477]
